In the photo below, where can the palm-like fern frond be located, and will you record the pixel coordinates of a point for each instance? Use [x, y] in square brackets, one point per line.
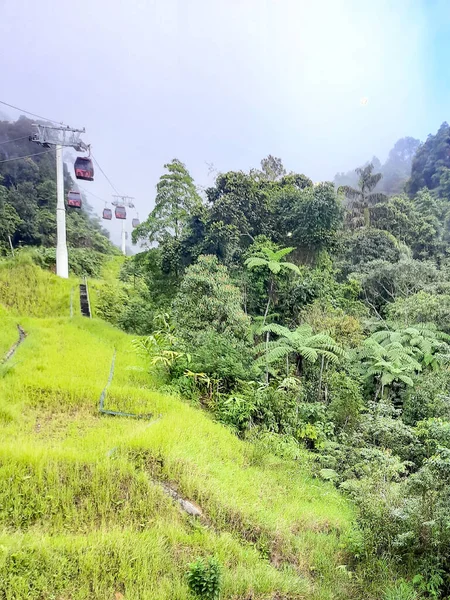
[279, 254]
[350, 192]
[300, 342]
[255, 261]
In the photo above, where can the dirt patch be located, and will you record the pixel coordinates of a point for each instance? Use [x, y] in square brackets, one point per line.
[59, 423]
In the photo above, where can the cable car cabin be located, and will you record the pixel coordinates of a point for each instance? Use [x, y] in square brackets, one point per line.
[74, 199]
[84, 169]
[135, 222]
[107, 214]
[120, 212]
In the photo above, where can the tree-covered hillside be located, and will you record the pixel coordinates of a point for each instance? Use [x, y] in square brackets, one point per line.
[316, 315]
[28, 196]
[396, 170]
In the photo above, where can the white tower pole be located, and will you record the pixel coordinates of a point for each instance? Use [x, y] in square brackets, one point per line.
[62, 259]
[124, 251]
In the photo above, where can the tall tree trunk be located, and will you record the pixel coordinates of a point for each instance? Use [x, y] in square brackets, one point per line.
[320, 378]
[267, 362]
[244, 294]
[366, 217]
[299, 364]
[268, 301]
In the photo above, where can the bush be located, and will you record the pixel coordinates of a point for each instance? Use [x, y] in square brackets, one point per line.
[400, 591]
[429, 398]
[204, 578]
[137, 316]
[83, 262]
[367, 245]
[220, 356]
[346, 401]
[111, 302]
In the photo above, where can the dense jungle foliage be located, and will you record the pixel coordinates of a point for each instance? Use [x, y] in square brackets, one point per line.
[316, 315]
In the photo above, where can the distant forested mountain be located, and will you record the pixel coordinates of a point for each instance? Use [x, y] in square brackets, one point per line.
[395, 171]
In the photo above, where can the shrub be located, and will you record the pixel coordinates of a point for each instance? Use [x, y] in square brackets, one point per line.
[346, 401]
[83, 262]
[400, 591]
[204, 578]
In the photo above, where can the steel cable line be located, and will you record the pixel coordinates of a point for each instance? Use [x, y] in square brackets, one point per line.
[24, 137]
[91, 193]
[27, 112]
[106, 176]
[27, 156]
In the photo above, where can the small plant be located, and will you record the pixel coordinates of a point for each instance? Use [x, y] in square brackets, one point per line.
[204, 578]
[400, 591]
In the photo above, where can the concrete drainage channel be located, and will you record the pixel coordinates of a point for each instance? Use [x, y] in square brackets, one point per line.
[12, 350]
[116, 413]
[85, 305]
[187, 506]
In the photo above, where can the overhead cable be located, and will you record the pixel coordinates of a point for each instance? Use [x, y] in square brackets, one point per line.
[27, 112]
[24, 137]
[27, 156]
[106, 176]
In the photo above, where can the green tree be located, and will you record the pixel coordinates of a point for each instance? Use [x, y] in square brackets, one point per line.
[422, 307]
[272, 169]
[397, 168]
[9, 219]
[387, 364]
[271, 261]
[429, 161]
[410, 222]
[363, 198]
[211, 323]
[176, 200]
[424, 340]
[207, 298]
[301, 343]
[309, 218]
[383, 282]
[365, 245]
[240, 201]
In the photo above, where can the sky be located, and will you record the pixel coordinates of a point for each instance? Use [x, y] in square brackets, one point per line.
[227, 82]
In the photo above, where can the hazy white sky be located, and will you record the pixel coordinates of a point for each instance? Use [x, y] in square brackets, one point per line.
[226, 81]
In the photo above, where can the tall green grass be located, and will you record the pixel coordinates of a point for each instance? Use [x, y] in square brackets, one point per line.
[26, 289]
[71, 470]
[8, 332]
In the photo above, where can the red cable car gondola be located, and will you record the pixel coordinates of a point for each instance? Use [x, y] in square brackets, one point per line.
[120, 212]
[135, 222]
[107, 214]
[74, 199]
[84, 169]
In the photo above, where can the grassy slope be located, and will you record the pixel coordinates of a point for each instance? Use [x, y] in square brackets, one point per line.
[82, 511]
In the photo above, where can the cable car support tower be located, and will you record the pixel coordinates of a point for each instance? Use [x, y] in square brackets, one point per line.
[128, 202]
[60, 137]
